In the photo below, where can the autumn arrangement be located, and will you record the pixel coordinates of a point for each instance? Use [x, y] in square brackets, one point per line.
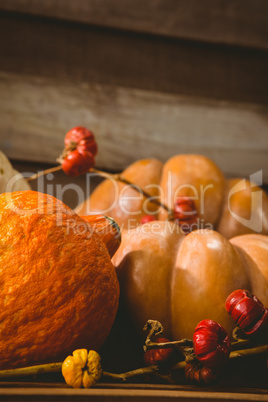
[70, 265]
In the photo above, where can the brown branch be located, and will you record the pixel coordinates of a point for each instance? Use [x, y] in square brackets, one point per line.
[156, 328]
[262, 349]
[119, 177]
[112, 176]
[43, 172]
[130, 374]
[147, 195]
[179, 366]
[164, 345]
[31, 370]
[56, 367]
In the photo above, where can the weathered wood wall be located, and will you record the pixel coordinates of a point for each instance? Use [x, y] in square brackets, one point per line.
[150, 78]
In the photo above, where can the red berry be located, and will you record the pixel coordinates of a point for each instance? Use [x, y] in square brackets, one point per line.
[76, 163]
[157, 356]
[79, 153]
[200, 375]
[248, 312]
[211, 343]
[82, 139]
[147, 219]
[185, 214]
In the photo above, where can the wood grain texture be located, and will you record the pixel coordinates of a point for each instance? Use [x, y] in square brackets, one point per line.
[129, 124]
[58, 382]
[132, 395]
[237, 22]
[80, 53]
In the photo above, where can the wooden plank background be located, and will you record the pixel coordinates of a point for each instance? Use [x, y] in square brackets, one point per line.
[129, 124]
[83, 53]
[154, 80]
[236, 22]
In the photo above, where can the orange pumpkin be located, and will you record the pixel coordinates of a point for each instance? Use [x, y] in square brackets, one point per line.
[59, 289]
[181, 280]
[194, 176]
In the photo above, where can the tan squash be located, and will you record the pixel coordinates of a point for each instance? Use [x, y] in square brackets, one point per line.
[181, 280]
[245, 211]
[194, 176]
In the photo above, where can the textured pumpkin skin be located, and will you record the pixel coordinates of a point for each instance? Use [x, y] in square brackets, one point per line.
[194, 275]
[59, 290]
[183, 175]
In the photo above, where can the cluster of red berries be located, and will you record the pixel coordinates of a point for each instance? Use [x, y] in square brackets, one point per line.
[212, 344]
[79, 153]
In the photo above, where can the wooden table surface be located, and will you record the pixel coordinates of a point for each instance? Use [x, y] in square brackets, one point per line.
[19, 391]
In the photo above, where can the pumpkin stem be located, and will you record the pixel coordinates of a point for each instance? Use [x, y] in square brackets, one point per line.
[107, 229]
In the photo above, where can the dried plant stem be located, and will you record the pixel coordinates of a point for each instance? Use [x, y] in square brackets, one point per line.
[240, 344]
[112, 176]
[258, 350]
[156, 328]
[242, 353]
[179, 366]
[31, 370]
[119, 177]
[165, 345]
[130, 374]
[56, 367]
[146, 195]
[188, 343]
[43, 172]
